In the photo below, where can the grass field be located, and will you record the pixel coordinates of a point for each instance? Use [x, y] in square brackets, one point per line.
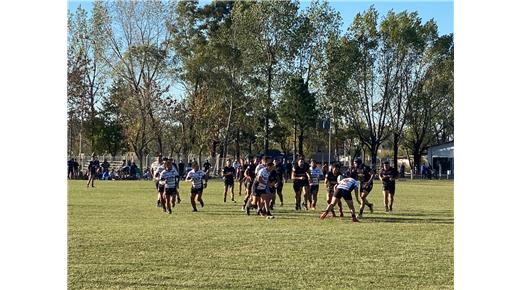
[117, 238]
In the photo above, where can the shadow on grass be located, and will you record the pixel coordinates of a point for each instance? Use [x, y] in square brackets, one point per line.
[394, 219]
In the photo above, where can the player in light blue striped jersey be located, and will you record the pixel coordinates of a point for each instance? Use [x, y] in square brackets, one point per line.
[314, 182]
[197, 176]
[168, 177]
[343, 189]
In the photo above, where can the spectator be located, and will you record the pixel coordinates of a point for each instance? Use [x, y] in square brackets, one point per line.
[133, 171]
[287, 169]
[181, 169]
[70, 169]
[401, 170]
[105, 165]
[76, 168]
[207, 166]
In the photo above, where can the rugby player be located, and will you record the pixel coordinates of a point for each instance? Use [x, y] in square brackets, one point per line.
[388, 176]
[343, 189]
[262, 195]
[93, 169]
[157, 168]
[300, 177]
[314, 183]
[169, 178]
[279, 174]
[241, 173]
[196, 176]
[365, 175]
[228, 174]
[249, 179]
[331, 179]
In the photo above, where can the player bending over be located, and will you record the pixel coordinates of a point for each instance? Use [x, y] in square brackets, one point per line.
[344, 190]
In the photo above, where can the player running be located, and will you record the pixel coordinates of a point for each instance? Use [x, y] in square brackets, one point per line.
[157, 168]
[196, 177]
[249, 179]
[93, 169]
[344, 190]
[241, 175]
[262, 191]
[388, 175]
[169, 177]
[331, 179]
[300, 177]
[365, 175]
[228, 174]
[278, 171]
[314, 182]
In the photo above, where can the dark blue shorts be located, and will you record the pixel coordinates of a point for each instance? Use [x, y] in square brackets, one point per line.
[343, 193]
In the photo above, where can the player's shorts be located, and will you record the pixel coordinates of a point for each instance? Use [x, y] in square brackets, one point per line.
[305, 182]
[298, 185]
[259, 192]
[343, 193]
[160, 188]
[196, 190]
[330, 190]
[249, 186]
[228, 182]
[390, 187]
[366, 187]
[315, 189]
[170, 191]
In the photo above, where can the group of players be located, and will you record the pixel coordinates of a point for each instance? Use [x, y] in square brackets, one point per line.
[263, 180]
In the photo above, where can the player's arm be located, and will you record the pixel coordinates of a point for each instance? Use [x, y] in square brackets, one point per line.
[188, 176]
[372, 174]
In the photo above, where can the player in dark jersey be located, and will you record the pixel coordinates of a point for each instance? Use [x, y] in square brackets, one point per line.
[228, 174]
[331, 179]
[157, 168]
[279, 175]
[93, 170]
[300, 177]
[388, 175]
[365, 176]
[70, 169]
[197, 176]
[241, 175]
[343, 189]
[306, 190]
[249, 180]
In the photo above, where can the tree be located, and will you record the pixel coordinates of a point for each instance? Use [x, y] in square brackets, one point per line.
[139, 55]
[298, 108]
[264, 32]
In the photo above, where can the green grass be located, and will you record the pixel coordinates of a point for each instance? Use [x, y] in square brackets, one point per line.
[117, 238]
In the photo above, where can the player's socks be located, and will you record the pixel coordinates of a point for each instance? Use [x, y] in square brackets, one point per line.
[333, 214]
[323, 215]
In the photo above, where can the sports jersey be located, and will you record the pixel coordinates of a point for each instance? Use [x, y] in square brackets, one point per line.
[157, 172]
[315, 176]
[264, 173]
[196, 178]
[258, 168]
[331, 179]
[387, 174]
[300, 172]
[347, 183]
[169, 178]
[251, 169]
[361, 173]
[229, 170]
[93, 166]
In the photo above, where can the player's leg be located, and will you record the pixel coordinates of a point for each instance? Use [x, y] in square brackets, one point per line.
[233, 191]
[329, 207]
[192, 199]
[328, 200]
[279, 191]
[163, 199]
[392, 193]
[169, 200]
[385, 198]
[315, 196]
[199, 198]
[297, 195]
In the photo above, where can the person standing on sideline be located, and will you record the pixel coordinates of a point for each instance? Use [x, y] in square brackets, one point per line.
[387, 176]
[207, 167]
[105, 165]
[93, 169]
[70, 169]
[197, 177]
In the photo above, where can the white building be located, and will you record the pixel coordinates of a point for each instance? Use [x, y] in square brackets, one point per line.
[442, 156]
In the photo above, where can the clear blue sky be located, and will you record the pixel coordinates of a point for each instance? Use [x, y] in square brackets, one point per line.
[440, 11]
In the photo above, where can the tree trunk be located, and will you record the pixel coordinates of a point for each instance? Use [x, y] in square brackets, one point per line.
[266, 118]
[294, 142]
[237, 145]
[396, 148]
[159, 144]
[226, 135]
[300, 142]
[417, 158]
